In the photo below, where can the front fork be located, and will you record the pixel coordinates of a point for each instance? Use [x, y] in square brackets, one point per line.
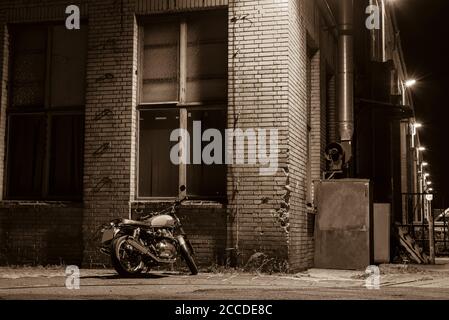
[185, 243]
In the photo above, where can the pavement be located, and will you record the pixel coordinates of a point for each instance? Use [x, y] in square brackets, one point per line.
[395, 282]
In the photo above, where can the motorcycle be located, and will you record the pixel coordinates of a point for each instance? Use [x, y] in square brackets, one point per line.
[156, 239]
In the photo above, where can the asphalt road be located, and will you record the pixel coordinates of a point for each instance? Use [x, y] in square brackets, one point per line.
[313, 285]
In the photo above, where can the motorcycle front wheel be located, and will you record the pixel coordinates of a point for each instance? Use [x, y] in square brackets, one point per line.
[187, 256]
[125, 259]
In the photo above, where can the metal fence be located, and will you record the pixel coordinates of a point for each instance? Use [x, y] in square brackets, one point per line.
[416, 210]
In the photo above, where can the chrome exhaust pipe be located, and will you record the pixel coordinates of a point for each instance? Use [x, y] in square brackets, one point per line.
[145, 251]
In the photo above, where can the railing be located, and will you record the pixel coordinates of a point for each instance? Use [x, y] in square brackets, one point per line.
[441, 231]
[416, 208]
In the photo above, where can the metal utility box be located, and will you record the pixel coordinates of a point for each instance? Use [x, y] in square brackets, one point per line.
[344, 232]
[382, 216]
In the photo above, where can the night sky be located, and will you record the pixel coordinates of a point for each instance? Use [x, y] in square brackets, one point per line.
[424, 26]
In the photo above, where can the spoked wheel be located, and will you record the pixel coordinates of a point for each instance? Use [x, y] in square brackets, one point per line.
[126, 260]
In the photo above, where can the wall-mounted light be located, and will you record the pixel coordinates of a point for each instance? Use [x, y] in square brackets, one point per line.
[414, 126]
[410, 83]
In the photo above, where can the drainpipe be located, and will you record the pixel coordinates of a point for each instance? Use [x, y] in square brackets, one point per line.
[345, 79]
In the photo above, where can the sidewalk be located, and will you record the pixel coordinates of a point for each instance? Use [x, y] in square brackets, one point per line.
[395, 283]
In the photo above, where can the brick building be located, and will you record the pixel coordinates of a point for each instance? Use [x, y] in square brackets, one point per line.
[82, 112]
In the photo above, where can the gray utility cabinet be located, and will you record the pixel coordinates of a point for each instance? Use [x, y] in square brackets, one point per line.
[344, 224]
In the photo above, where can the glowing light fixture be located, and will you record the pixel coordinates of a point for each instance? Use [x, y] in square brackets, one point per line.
[410, 83]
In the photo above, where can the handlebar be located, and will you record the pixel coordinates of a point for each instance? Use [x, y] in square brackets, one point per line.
[179, 201]
[172, 208]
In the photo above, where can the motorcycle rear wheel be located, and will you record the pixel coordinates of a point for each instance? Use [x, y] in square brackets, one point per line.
[187, 256]
[125, 260]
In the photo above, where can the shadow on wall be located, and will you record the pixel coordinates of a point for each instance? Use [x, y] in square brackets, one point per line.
[41, 234]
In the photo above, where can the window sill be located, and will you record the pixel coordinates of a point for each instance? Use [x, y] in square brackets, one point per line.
[186, 204]
[42, 204]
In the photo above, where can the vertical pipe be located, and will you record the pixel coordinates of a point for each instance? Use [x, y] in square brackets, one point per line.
[345, 81]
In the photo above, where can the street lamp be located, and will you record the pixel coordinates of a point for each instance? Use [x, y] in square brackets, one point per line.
[425, 164]
[421, 148]
[429, 183]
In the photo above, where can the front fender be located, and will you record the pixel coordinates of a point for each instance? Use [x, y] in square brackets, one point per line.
[185, 243]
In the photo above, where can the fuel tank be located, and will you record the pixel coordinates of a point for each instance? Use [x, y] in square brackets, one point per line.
[163, 221]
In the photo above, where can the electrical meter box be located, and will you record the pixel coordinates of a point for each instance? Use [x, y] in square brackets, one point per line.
[344, 224]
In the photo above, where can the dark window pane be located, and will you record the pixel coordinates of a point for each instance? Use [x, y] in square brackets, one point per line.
[26, 153]
[208, 27]
[66, 156]
[207, 180]
[160, 62]
[158, 176]
[68, 67]
[28, 66]
[207, 58]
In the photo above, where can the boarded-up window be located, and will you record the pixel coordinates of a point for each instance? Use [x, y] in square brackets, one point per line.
[45, 147]
[183, 79]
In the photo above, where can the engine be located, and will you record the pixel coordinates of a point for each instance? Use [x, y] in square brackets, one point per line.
[165, 249]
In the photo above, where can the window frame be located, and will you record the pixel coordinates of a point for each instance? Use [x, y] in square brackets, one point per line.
[47, 111]
[181, 104]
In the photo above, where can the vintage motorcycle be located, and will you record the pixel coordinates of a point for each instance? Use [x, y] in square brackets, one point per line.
[137, 245]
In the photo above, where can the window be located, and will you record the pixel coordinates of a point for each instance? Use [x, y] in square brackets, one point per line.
[45, 133]
[183, 79]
